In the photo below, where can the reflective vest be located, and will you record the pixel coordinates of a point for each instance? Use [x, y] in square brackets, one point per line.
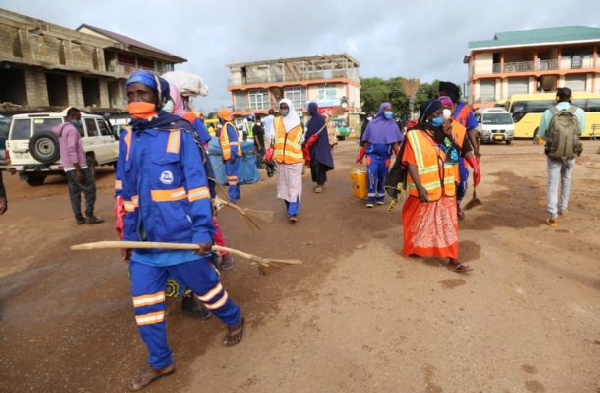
[249, 126]
[226, 144]
[436, 175]
[288, 149]
[459, 132]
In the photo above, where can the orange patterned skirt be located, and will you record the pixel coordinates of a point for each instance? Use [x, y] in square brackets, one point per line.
[430, 229]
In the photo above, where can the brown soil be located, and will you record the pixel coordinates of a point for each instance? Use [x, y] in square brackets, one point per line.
[355, 317]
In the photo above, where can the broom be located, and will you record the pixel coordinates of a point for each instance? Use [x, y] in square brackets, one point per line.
[265, 265]
[474, 202]
[254, 219]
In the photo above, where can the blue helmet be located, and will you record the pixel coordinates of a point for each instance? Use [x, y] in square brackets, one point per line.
[250, 117]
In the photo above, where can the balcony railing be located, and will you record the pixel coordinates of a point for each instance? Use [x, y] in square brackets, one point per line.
[238, 80]
[567, 63]
[519, 66]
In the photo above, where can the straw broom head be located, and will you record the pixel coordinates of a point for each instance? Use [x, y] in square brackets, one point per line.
[254, 219]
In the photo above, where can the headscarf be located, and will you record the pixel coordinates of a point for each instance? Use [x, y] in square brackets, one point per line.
[292, 119]
[316, 120]
[446, 101]
[161, 89]
[159, 85]
[382, 130]
[445, 142]
[320, 150]
[177, 101]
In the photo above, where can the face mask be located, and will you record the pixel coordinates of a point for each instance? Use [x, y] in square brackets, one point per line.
[141, 110]
[168, 106]
[284, 112]
[436, 121]
[76, 123]
[388, 115]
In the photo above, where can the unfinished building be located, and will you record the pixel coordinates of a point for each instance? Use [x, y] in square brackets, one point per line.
[46, 67]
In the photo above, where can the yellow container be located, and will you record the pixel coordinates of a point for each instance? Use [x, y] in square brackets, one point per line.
[359, 183]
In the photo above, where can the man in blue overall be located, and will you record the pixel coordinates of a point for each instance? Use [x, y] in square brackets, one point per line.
[165, 195]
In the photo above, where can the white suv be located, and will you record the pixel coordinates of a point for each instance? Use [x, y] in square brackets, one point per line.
[33, 149]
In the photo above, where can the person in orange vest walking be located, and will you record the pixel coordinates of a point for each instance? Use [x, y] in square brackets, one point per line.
[288, 156]
[230, 144]
[429, 214]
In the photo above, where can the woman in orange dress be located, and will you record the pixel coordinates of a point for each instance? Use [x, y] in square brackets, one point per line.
[429, 213]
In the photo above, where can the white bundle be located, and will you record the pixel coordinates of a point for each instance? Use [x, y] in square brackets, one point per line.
[189, 84]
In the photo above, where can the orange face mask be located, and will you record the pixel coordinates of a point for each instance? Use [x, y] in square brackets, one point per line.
[141, 110]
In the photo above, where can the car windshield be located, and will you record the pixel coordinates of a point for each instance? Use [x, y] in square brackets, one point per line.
[497, 118]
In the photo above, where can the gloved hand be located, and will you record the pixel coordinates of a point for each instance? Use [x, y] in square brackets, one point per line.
[119, 211]
[359, 160]
[474, 162]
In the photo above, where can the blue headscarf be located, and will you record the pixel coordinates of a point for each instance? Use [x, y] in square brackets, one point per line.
[159, 85]
[161, 89]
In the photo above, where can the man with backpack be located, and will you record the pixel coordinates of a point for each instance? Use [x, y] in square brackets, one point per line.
[561, 128]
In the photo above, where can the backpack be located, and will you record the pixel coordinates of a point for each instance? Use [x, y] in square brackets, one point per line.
[562, 137]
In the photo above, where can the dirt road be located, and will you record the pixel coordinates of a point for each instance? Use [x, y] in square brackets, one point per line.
[355, 317]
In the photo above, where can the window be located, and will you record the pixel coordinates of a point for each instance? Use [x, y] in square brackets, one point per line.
[327, 92]
[104, 130]
[92, 130]
[21, 129]
[40, 125]
[297, 95]
[259, 100]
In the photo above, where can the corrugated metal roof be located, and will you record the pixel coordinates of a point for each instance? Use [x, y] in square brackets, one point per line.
[130, 41]
[539, 36]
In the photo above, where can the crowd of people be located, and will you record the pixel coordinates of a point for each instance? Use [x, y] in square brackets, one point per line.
[166, 188]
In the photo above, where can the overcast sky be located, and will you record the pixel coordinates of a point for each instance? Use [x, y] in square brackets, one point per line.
[414, 39]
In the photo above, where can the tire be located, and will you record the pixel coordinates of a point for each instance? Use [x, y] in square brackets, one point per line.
[341, 137]
[509, 141]
[35, 180]
[44, 147]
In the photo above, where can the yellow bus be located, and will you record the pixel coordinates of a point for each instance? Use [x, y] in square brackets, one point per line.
[527, 110]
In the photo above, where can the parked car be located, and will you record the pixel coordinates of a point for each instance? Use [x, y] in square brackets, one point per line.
[4, 127]
[496, 125]
[34, 152]
[341, 127]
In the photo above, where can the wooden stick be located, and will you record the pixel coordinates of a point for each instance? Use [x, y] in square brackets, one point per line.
[118, 244]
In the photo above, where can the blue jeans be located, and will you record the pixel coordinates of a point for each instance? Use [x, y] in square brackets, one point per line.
[559, 171]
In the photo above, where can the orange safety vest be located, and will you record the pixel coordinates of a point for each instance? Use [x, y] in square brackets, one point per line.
[288, 149]
[436, 175]
[226, 144]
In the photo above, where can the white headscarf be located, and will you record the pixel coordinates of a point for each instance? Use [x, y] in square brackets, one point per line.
[292, 119]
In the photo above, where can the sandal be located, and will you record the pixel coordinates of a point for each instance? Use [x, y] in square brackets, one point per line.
[234, 336]
[318, 189]
[553, 222]
[459, 267]
[148, 376]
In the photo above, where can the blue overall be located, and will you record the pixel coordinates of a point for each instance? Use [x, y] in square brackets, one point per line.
[167, 199]
[233, 168]
[378, 162]
[148, 285]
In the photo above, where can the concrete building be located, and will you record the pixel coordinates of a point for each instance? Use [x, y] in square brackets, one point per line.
[46, 67]
[531, 61]
[258, 86]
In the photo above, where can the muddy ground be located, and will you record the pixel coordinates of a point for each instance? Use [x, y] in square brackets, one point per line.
[355, 317]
